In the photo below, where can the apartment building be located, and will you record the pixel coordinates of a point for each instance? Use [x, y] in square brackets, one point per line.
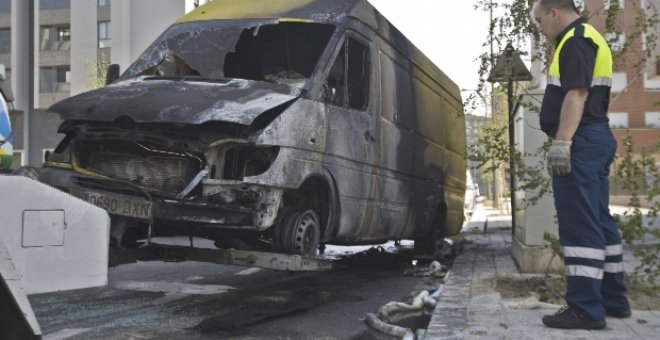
[635, 100]
[72, 38]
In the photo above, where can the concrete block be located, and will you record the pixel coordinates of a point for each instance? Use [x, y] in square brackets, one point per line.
[18, 320]
[56, 241]
[535, 259]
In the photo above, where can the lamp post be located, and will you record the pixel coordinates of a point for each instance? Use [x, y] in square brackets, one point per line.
[509, 68]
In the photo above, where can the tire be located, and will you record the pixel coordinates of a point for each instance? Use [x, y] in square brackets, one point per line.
[432, 243]
[27, 171]
[284, 216]
[297, 233]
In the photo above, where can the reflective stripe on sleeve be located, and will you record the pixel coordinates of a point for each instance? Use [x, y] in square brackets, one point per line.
[611, 267]
[614, 250]
[585, 253]
[602, 81]
[585, 271]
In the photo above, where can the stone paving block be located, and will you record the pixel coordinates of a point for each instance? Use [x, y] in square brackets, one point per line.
[504, 265]
[572, 334]
[492, 300]
[486, 333]
[645, 324]
[470, 307]
[444, 333]
[447, 321]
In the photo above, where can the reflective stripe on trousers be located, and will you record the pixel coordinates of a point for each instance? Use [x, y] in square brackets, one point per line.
[587, 231]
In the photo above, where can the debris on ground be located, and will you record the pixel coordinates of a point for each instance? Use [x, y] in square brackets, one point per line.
[393, 314]
[531, 303]
[400, 332]
[435, 269]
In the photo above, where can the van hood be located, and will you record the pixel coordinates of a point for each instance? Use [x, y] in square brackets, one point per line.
[189, 100]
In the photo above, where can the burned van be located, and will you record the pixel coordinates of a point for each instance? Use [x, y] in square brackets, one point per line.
[282, 125]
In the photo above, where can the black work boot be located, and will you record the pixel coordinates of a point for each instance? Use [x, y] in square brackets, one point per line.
[568, 317]
[621, 314]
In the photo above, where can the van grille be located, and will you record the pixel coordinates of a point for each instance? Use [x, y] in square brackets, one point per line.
[168, 173]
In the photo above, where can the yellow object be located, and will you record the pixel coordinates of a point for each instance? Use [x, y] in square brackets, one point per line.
[241, 9]
[603, 68]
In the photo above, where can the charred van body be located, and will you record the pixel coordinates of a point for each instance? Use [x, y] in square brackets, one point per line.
[316, 123]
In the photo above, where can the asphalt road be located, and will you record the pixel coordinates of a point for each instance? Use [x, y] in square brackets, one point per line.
[191, 300]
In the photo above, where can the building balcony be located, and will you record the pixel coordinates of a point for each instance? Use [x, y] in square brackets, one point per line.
[103, 13]
[54, 17]
[54, 58]
[46, 99]
[5, 20]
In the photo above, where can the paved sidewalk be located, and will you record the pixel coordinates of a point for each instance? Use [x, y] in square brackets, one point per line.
[470, 307]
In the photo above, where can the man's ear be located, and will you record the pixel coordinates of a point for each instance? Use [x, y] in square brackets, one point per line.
[554, 13]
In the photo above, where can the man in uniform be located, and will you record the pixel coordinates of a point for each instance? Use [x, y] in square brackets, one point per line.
[574, 116]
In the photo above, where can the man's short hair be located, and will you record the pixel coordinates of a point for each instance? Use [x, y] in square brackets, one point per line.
[565, 5]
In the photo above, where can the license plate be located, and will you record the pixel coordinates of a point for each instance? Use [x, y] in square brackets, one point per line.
[119, 204]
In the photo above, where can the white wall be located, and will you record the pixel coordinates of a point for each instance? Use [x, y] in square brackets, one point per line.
[136, 24]
[84, 44]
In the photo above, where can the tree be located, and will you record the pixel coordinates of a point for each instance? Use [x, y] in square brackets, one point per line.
[512, 23]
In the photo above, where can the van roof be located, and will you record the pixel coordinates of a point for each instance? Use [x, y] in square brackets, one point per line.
[321, 11]
[298, 10]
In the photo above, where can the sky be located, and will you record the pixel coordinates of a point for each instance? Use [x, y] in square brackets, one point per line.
[450, 32]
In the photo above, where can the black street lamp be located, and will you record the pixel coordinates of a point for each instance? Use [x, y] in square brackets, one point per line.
[509, 68]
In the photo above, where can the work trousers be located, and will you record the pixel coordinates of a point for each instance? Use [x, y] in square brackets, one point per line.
[590, 239]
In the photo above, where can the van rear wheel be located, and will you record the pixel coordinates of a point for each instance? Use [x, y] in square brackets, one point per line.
[433, 242]
[297, 232]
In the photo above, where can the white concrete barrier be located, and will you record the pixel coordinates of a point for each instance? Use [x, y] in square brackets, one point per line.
[56, 241]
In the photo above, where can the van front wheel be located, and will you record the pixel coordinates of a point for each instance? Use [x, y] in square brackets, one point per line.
[297, 233]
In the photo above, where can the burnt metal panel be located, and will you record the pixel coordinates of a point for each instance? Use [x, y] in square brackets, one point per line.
[150, 99]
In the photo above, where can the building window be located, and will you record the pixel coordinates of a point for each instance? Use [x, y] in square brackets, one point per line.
[652, 119]
[618, 120]
[54, 79]
[619, 81]
[5, 41]
[652, 74]
[104, 3]
[63, 75]
[620, 3]
[18, 160]
[615, 40]
[55, 38]
[5, 6]
[64, 34]
[104, 34]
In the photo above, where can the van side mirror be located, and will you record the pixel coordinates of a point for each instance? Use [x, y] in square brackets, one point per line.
[111, 74]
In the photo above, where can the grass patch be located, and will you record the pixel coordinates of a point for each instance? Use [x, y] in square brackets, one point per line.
[551, 290]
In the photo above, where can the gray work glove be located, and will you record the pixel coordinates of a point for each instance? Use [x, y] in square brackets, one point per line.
[559, 158]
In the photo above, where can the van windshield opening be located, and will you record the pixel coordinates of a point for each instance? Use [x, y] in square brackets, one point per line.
[267, 51]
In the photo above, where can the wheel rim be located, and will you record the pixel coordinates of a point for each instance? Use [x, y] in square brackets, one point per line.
[306, 233]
